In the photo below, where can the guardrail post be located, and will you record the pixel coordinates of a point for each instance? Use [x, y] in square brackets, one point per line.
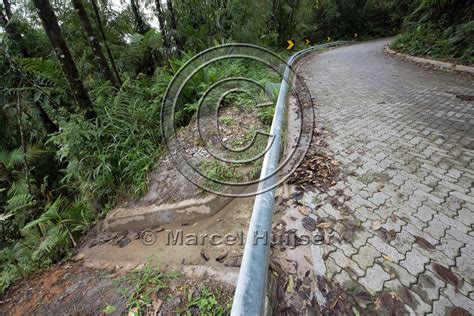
[249, 298]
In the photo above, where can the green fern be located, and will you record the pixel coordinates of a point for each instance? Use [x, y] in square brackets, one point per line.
[46, 71]
[51, 214]
[56, 239]
[20, 202]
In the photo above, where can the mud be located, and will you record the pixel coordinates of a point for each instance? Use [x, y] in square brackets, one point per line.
[170, 252]
[73, 289]
[65, 289]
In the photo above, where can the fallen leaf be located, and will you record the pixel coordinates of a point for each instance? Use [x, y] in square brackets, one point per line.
[378, 303]
[290, 286]
[299, 282]
[364, 296]
[388, 258]
[445, 274]
[308, 259]
[465, 97]
[304, 210]
[156, 307]
[309, 223]
[275, 266]
[395, 295]
[298, 195]
[123, 242]
[458, 311]
[348, 235]
[327, 237]
[424, 243]
[391, 303]
[222, 257]
[427, 281]
[133, 311]
[376, 225]
[408, 297]
[324, 225]
[393, 217]
[159, 229]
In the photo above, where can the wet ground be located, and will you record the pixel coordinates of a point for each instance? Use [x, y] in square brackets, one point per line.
[399, 218]
[387, 187]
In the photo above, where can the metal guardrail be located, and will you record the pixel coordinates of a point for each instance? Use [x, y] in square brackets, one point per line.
[249, 298]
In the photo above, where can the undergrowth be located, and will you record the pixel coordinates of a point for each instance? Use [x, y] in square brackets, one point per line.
[98, 161]
[439, 29]
[139, 285]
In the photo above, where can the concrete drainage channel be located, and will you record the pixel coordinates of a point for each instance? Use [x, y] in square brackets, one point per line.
[140, 217]
[253, 295]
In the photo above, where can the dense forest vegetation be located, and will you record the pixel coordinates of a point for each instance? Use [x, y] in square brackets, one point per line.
[439, 29]
[82, 82]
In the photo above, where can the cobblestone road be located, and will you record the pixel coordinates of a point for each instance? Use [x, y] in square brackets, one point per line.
[405, 138]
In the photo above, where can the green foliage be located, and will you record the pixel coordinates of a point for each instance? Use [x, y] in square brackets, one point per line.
[439, 29]
[114, 153]
[44, 70]
[342, 19]
[265, 114]
[48, 238]
[109, 309]
[73, 162]
[220, 171]
[138, 285]
[207, 303]
[226, 119]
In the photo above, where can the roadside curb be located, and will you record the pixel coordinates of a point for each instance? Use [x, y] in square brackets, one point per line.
[429, 62]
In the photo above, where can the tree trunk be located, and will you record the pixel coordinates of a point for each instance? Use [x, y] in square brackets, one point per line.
[140, 26]
[94, 42]
[50, 24]
[49, 124]
[104, 38]
[8, 8]
[174, 27]
[26, 168]
[164, 33]
[15, 36]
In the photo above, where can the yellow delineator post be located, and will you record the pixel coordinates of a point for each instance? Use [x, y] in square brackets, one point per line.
[291, 44]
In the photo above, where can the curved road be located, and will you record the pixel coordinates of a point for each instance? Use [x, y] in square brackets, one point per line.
[405, 138]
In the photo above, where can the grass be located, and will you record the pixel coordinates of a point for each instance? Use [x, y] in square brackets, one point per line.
[265, 114]
[207, 302]
[220, 171]
[226, 120]
[138, 286]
